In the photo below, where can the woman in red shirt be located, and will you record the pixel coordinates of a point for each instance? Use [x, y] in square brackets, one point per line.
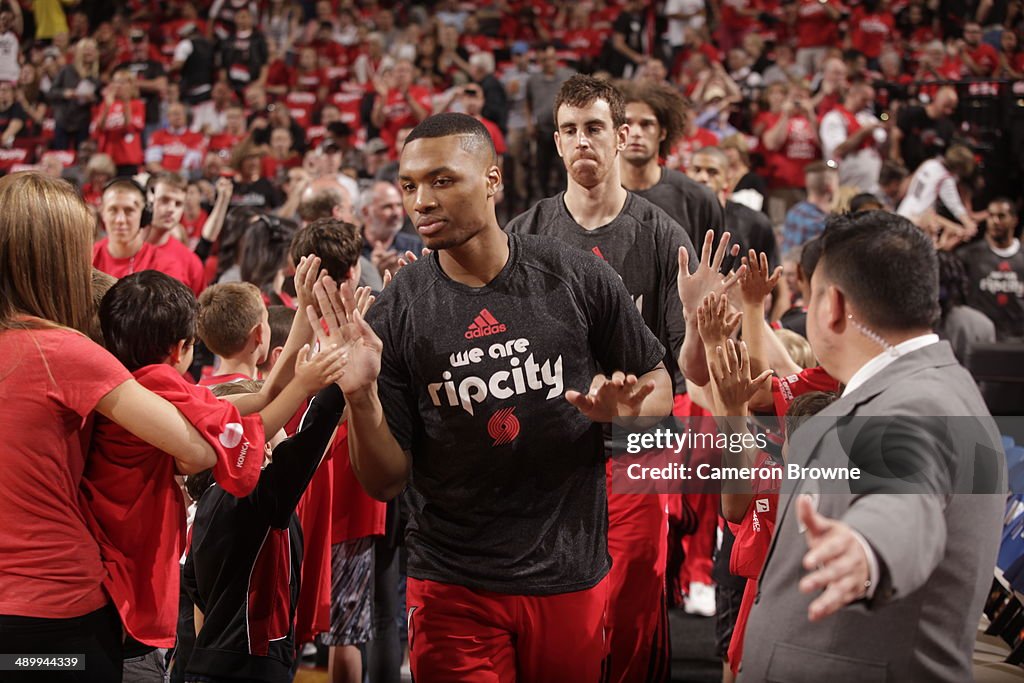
[52, 378]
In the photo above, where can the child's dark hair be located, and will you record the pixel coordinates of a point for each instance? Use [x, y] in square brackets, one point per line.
[144, 315]
[265, 249]
[805, 406]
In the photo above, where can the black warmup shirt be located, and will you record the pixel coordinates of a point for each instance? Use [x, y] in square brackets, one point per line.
[507, 492]
[245, 559]
[642, 245]
[752, 230]
[996, 286]
[692, 205]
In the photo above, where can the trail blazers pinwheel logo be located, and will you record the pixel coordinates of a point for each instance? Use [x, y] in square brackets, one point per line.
[503, 426]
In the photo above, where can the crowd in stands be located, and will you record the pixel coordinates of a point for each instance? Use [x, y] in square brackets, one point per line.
[239, 162]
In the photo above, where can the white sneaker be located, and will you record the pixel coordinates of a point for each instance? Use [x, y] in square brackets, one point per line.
[700, 600]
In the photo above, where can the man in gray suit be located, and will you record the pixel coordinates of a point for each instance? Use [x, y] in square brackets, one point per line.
[881, 578]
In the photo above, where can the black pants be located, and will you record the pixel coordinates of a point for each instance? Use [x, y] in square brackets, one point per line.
[96, 636]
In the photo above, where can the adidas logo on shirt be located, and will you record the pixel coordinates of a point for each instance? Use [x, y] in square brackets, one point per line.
[484, 325]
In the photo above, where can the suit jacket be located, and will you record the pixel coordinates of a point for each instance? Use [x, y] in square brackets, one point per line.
[935, 543]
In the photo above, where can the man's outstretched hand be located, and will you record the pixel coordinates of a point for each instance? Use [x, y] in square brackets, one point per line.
[694, 287]
[837, 562]
[342, 311]
[620, 395]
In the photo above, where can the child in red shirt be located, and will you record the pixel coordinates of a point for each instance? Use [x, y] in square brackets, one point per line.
[131, 501]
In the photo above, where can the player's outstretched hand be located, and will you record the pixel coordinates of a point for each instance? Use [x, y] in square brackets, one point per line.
[620, 395]
[314, 371]
[693, 287]
[342, 311]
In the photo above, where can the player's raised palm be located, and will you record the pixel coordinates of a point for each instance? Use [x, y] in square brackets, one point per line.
[343, 311]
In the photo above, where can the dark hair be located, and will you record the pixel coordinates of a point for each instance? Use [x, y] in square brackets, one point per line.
[666, 103]
[715, 152]
[144, 315]
[337, 243]
[582, 91]
[865, 201]
[805, 406]
[891, 172]
[473, 136]
[265, 248]
[1006, 200]
[235, 225]
[953, 282]
[810, 254]
[886, 266]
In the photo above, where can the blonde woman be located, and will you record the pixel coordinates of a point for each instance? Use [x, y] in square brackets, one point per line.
[52, 379]
[73, 93]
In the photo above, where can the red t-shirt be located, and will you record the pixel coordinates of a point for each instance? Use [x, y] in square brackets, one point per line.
[194, 227]
[785, 389]
[814, 26]
[175, 151]
[309, 81]
[135, 509]
[121, 134]
[686, 147]
[222, 143]
[398, 113]
[983, 55]
[496, 135]
[51, 381]
[870, 31]
[271, 167]
[172, 258]
[356, 515]
[800, 148]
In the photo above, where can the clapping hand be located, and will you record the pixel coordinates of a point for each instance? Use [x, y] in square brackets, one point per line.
[307, 272]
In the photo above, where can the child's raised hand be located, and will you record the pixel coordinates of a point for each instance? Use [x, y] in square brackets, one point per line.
[716, 321]
[314, 371]
[307, 272]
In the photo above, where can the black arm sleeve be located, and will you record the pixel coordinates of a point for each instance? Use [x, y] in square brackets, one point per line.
[296, 459]
[203, 249]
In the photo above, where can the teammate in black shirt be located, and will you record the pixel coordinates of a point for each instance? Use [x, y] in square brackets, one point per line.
[641, 242]
[482, 386]
[654, 114]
